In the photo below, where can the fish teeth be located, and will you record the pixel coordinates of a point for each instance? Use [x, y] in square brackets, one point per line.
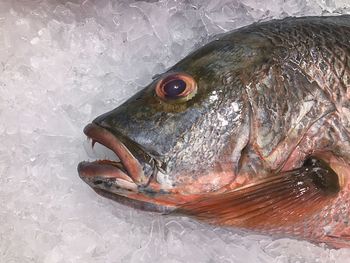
[93, 143]
[97, 151]
[88, 148]
[102, 152]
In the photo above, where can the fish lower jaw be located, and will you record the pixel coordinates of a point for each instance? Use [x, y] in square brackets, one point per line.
[105, 171]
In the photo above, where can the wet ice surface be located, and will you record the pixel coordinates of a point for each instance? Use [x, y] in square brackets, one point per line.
[63, 63]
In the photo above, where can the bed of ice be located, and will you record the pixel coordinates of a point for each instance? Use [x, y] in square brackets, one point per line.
[62, 63]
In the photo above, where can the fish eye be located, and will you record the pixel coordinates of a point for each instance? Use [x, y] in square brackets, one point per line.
[177, 87]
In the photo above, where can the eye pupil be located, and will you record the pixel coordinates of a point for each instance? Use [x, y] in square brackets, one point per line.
[174, 87]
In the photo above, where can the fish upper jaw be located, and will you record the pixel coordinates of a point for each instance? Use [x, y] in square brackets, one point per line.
[128, 171]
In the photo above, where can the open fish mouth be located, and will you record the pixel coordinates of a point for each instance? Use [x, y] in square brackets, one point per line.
[127, 169]
[126, 180]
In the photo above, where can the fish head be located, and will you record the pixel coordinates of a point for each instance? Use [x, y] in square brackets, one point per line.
[179, 137]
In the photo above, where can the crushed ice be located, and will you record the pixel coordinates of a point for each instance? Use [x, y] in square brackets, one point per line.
[62, 63]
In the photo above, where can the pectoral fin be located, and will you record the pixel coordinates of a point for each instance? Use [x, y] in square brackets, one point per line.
[276, 201]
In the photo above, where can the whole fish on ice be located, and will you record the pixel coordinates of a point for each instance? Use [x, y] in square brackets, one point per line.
[252, 130]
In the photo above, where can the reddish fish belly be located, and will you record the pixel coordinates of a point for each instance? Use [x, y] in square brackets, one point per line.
[285, 205]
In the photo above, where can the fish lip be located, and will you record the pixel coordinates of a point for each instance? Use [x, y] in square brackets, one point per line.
[130, 168]
[135, 203]
[123, 182]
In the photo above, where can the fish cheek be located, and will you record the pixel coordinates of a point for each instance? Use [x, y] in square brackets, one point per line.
[205, 182]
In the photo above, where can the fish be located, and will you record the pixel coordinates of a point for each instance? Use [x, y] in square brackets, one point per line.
[251, 131]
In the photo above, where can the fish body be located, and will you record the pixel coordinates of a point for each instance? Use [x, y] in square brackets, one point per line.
[250, 130]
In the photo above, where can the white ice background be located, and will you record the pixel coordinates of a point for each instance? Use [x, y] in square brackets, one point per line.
[62, 64]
